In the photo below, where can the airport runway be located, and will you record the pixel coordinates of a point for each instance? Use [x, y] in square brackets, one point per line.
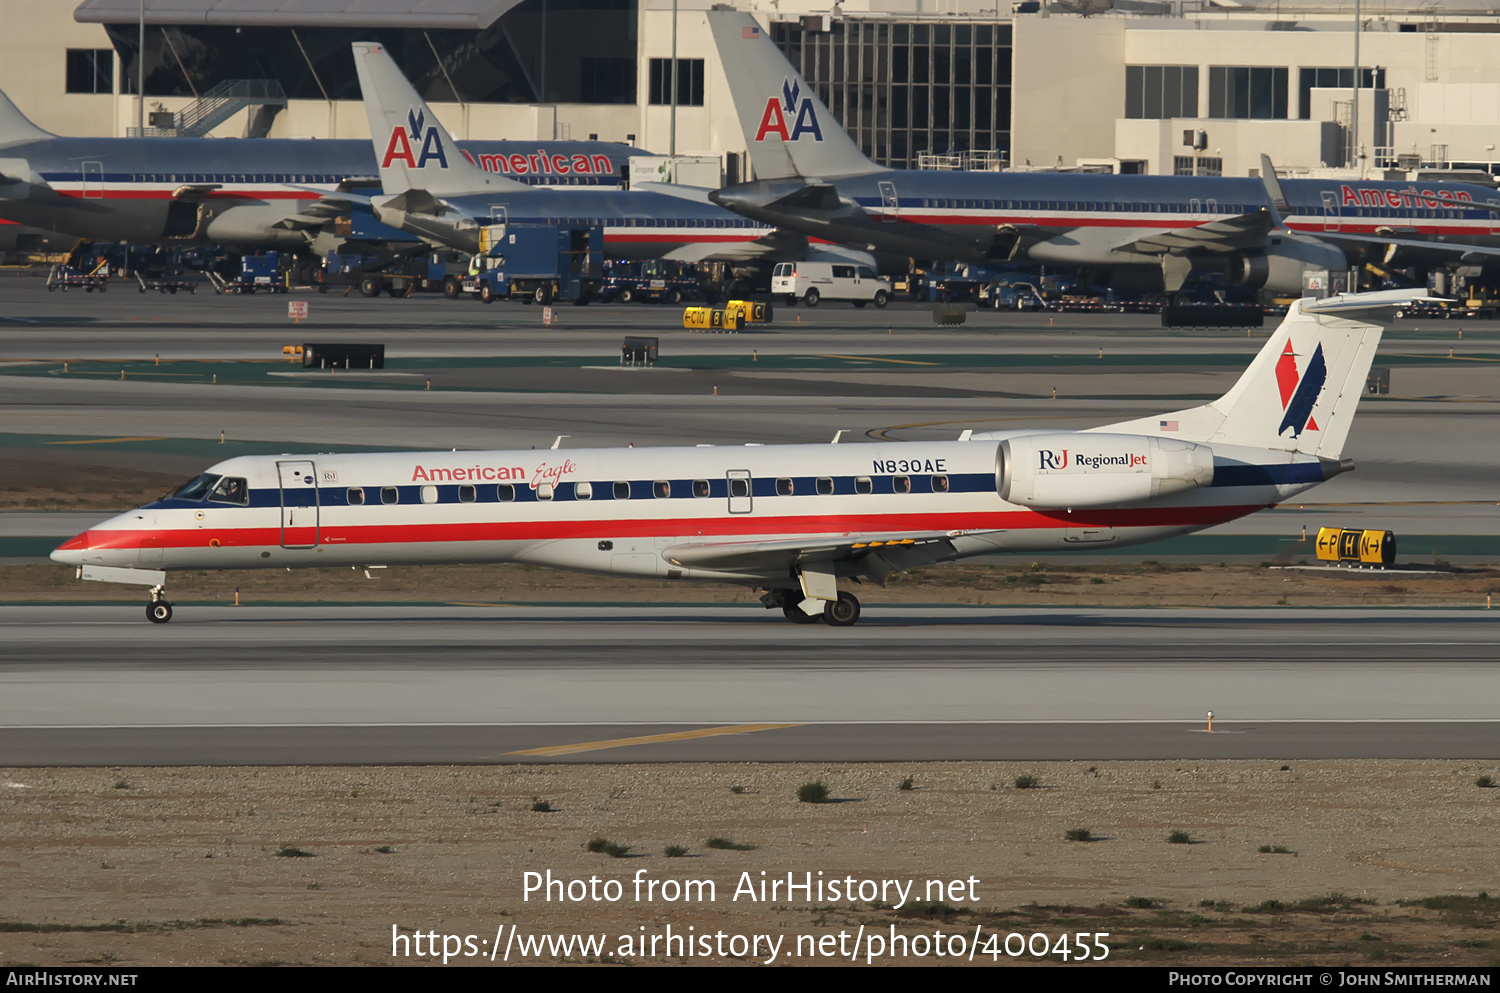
[94, 685]
[434, 683]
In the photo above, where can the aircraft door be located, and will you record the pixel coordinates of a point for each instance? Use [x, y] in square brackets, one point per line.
[1495, 217]
[889, 202]
[299, 504]
[93, 180]
[1330, 211]
[492, 235]
[740, 500]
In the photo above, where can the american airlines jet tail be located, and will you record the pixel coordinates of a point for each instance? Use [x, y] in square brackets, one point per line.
[793, 133]
[419, 153]
[791, 520]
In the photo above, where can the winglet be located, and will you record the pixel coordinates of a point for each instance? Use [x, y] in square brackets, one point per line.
[1279, 206]
[412, 148]
[16, 126]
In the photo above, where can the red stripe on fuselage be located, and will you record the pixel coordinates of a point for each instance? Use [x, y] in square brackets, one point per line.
[685, 528]
[212, 195]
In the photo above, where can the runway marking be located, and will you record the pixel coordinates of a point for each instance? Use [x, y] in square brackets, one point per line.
[876, 358]
[488, 603]
[1455, 358]
[735, 729]
[105, 441]
[651, 739]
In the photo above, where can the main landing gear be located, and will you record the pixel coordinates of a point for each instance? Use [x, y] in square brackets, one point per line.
[840, 613]
[159, 610]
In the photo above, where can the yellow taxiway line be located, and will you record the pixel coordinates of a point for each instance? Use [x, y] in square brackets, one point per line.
[651, 739]
[104, 441]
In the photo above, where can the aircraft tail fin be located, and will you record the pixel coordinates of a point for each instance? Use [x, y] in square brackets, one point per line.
[412, 148]
[16, 126]
[1297, 395]
[787, 129]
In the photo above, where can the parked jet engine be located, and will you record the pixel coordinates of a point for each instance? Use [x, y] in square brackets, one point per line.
[1084, 469]
[1279, 266]
[259, 225]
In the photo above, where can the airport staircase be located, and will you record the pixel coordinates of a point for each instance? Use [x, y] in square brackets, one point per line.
[215, 107]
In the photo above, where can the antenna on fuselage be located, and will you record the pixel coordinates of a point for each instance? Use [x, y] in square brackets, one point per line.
[837, 435]
[558, 443]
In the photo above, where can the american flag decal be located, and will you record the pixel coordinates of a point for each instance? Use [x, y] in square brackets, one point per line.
[750, 34]
[1169, 425]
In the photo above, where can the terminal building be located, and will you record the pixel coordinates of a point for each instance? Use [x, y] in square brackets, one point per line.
[1178, 87]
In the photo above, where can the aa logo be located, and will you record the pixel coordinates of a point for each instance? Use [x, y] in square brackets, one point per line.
[399, 148]
[1299, 394]
[794, 107]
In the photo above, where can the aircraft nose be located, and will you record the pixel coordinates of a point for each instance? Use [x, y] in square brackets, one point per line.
[71, 551]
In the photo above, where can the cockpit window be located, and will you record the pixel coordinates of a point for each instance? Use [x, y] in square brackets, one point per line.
[231, 489]
[198, 488]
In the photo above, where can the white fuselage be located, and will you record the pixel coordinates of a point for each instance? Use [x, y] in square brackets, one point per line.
[729, 514]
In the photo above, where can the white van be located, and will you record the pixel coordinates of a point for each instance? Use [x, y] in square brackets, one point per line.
[814, 281]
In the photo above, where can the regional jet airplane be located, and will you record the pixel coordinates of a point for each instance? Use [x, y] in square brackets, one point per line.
[253, 192]
[1264, 234]
[791, 520]
[433, 192]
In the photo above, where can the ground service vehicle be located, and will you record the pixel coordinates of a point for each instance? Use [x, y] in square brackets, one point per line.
[812, 282]
[656, 281]
[537, 263]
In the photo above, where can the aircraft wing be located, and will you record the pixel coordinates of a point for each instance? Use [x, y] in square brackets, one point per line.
[1227, 234]
[316, 213]
[875, 556]
[1455, 250]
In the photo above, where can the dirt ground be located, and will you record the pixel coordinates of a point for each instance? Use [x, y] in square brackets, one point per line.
[1305, 862]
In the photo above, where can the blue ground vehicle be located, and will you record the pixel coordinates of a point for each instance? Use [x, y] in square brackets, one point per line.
[656, 281]
[538, 263]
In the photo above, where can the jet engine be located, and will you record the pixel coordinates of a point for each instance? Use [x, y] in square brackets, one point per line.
[254, 225]
[1279, 266]
[1083, 469]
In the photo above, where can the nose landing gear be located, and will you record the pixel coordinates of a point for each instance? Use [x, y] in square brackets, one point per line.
[159, 610]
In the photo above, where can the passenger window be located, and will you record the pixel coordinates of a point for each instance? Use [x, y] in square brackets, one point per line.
[739, 487]
[783, 487]
[622, 491]
[544, 491]
[505, 493]
[825, 486]
[583, 491]
[429, 494]
[862, 484]
[389, 495]
[356, 496]
[700, 487]
[865, 272]
[467, 494]
[901, 484]
[661, 489]
[231, 489]
[940, 484]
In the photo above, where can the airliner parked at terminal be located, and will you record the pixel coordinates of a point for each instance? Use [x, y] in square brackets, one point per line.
[790, 519]
[434, 192]
[252, 192]
[812, 178]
